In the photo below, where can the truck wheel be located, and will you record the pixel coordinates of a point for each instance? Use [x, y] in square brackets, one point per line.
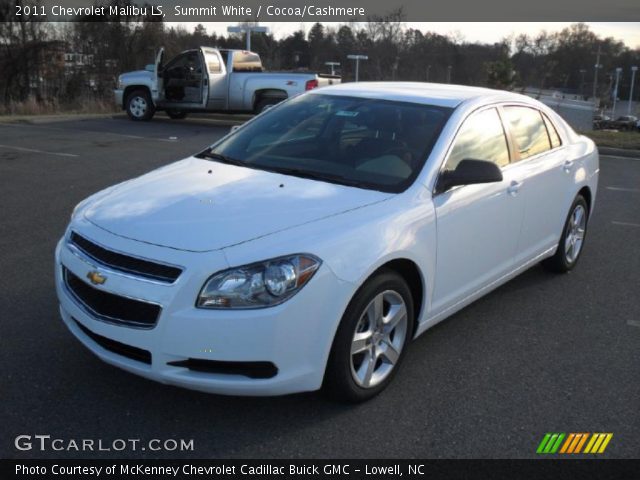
[139, 106]
[176, 114]
[265, 103]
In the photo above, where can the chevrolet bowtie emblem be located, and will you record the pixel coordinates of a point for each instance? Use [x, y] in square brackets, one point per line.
[95, 277]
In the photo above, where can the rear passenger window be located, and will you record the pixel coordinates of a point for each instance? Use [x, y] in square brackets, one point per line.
[529, 131]
[481, 137]
[553, 133]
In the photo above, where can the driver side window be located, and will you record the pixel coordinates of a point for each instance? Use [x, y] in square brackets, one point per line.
[481, 137]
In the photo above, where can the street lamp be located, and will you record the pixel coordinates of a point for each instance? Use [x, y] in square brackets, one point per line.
[615, 92]
[634, 69]
[357, 58]
[332, 65]
[248, 29]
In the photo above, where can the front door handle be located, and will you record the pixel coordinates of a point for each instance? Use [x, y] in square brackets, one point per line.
[513, 188]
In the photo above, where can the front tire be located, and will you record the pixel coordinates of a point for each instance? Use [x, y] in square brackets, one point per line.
[139, 106]
[371, 340]
[572, 239]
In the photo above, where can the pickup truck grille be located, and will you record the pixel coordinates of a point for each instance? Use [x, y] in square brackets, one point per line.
[110, 307]
[125, 263]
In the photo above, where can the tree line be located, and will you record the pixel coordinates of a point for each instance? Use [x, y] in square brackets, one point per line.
[64, 63]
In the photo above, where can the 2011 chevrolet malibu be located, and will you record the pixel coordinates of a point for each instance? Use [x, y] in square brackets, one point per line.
[308, 247]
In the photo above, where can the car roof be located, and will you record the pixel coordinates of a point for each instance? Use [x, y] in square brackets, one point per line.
[438, 94]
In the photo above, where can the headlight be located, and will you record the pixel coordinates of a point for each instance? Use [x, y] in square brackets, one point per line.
[258, 285]
[120, 84]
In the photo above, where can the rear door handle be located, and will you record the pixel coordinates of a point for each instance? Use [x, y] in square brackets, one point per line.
[513, 188]
[566, 166]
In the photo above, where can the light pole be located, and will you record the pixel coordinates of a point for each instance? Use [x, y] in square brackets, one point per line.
[582, 72]
[449, 67]
[634, 69]
[332, 65]
[248, 29]
[615, 93]
[595, 75]
[357, 58]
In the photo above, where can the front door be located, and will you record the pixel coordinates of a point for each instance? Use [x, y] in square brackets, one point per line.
[477, 225]
[184, 81]
[218, 88]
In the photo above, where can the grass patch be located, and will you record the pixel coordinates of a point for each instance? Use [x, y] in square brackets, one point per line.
[609, 138]
[83, 105]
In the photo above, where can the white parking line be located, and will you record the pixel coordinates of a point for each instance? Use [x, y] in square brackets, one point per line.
[619, 157]
[33, 150]
[135, 137]
[633, 323]
[626, 224]
[623, 189]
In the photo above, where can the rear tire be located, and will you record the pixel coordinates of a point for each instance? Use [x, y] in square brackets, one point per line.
[265, 103]
[371, 340]
[572, 240]
[139, 106]
[176, 114]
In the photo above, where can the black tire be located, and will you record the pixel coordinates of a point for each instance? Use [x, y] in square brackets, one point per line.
[262, 105]
[139, 106]
[339, 382]
[176, 114]
[563, 261]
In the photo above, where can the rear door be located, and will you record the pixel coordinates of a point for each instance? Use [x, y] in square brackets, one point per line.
[478, 226]
[540, 160]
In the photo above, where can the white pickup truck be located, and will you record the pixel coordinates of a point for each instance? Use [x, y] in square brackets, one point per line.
[209, 80]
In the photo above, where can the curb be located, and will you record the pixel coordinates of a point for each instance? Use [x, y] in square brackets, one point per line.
[619, 152]
[224, 120]
[65, 117]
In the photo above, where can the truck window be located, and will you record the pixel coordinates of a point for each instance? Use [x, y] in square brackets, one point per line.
[246, 62]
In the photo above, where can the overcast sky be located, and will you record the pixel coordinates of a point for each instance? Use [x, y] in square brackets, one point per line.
[488, 32]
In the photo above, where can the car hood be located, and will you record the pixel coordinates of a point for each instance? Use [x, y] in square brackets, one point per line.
[202, 205]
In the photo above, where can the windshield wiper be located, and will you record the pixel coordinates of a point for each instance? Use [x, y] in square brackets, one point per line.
[220, 158]
[325, 177]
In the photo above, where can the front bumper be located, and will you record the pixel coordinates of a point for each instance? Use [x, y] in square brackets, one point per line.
[295, 336]
[119, 98]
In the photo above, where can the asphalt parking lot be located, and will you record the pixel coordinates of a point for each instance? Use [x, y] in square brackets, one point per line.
[544, 353]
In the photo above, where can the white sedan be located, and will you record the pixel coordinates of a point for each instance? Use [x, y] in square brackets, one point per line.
[308, 247]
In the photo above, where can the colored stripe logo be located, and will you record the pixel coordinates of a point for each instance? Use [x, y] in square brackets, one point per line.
[573, 443]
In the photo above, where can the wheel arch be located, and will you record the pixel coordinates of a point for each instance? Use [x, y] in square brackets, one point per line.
[130, 89]
[261, 94]
[586, 194]
[412, 274]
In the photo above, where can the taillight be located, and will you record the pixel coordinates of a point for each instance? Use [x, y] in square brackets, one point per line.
[311, 84]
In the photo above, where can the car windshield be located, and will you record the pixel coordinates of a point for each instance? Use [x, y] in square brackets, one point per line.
[362, 142]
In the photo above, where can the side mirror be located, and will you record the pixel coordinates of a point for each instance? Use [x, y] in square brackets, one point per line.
[469, 172]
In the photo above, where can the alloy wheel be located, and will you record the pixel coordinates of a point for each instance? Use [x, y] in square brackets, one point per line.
[575, 234]
[378, 339]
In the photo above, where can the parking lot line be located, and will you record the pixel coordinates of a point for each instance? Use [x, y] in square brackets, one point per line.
[633, 323]
[135, 137]
[624, 189]
[626, 224]
[33, 150]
